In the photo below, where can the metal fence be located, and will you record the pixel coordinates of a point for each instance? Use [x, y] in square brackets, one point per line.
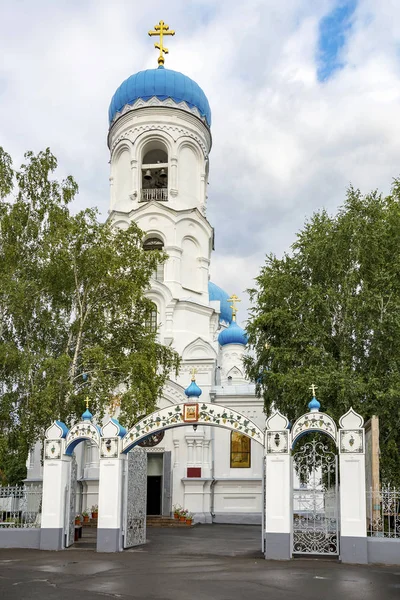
[383, 512]
[20, 506]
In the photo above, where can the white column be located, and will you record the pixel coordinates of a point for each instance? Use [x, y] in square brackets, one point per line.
[278, 518]
[109, 525]
[56, 474]
[353, 517]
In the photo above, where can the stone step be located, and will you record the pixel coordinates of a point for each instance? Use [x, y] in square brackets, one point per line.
[152, 521]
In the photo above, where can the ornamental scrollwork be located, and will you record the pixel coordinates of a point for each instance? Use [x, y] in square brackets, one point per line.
[209, 414]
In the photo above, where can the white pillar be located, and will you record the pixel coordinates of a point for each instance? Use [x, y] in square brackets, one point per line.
[278, 518]
[111, 478]
[353, 518]
[56, 475]
[109, 525]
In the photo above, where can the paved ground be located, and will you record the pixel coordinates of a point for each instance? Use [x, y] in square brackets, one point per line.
[203, 563]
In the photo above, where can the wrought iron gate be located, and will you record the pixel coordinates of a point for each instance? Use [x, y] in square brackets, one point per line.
[135, 498]
[71, 504]
[315, 500]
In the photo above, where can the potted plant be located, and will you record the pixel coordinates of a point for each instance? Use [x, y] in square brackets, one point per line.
[177, 509]
[77, 519]
[95, 511]
[85, 515]
[182, 515]
[189, 518]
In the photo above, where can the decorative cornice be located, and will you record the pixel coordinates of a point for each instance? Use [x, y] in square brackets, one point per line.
[134, 132]
[156, 102]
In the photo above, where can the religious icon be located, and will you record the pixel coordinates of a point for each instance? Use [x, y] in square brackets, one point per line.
[240, 451]
[190, 413]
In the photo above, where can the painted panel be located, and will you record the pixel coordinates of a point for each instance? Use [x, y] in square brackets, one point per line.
[71, 506]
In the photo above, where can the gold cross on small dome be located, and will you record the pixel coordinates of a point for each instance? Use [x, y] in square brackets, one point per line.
[194, 371]
[87, 402]
[233, 306]
[313, 388]
[161, 29]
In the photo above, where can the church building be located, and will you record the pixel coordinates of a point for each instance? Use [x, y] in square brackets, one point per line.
[160, 140]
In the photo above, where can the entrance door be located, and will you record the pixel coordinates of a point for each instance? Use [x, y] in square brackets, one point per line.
[315, 497]
[154, 483]
[154, 494]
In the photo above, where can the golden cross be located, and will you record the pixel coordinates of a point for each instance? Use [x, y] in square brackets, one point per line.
[313, 388]
[161, 30]
[233, 306]
[87, 403]
[194, 371]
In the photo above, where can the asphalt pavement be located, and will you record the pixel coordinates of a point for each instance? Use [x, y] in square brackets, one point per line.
[218, 562]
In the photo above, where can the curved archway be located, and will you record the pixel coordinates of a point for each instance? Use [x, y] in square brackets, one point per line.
[202, 413]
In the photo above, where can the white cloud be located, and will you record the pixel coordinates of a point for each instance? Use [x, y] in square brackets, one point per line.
[284, 144]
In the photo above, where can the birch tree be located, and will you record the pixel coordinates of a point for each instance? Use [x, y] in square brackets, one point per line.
[74, 315]
[328, 313]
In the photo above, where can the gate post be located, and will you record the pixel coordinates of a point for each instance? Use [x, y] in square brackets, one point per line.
[109, 524]
[277, 488]
[353, 518]
[56, 471]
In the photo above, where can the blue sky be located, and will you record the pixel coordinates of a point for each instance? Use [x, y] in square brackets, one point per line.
[334, 30]
[305, 98]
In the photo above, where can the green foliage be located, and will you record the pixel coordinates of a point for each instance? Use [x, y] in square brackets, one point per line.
[73, 308]
[329, 313]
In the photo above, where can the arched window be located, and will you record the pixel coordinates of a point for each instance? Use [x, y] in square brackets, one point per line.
[152, 321]
[154, 243]
[154, 174]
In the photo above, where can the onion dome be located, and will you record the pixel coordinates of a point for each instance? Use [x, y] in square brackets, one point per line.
[193, 391]
[87, 415]
[233, 335]
[217, 293]
[162, 84]
[314, 405]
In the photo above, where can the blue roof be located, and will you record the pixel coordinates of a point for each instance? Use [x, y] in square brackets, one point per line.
[217, 293]
[161, 83]
[314, 405]
[233, 335]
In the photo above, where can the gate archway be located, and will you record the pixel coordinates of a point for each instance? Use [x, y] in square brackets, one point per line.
[179, 415]
[315, 479]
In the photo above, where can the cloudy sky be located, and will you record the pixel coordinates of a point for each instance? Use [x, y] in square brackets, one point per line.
[304, 97]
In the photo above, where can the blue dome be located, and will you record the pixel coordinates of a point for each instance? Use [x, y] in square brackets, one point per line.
[233, 335]
[161, 83]
[314, 405]
[193, 391]
[87, 415]
[217, 293]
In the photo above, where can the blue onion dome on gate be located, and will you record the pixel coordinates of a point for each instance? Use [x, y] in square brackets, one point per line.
[233, 334]
[314, 405]
[87, 415]
[160, 83]
[217, 293]
[193, 391]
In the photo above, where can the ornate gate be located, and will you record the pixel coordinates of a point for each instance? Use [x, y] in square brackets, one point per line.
[315, 499]
[71, 504]
[135, 498]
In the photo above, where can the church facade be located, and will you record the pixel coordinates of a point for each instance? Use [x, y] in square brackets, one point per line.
[160, 140]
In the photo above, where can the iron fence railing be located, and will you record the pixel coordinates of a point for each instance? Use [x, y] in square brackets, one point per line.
[20, 506]
[160, 194]
[383, 512]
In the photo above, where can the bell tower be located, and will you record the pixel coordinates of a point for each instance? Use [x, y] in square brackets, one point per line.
[159, 141]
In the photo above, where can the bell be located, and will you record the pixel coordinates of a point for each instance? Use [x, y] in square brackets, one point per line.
[147, 175]
[163, 173]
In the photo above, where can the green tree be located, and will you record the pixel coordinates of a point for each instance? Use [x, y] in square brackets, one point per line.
[328, 312]
[74, 316]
